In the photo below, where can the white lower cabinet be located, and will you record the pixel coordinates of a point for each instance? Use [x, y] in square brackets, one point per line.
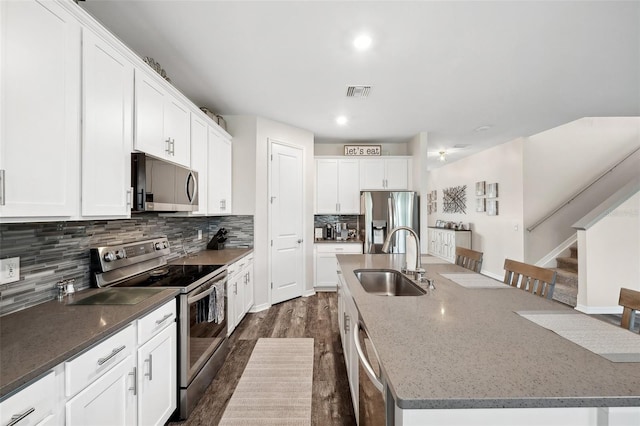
[443, 242]
[347, 319]
[109, 400]
[33, 405]
[326, 277]
[239, 291]
[156, 370]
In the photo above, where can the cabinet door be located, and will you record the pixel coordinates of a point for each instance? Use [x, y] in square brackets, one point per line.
[238, 310]
[177, 122]
[40, 104]
[149, 117]
[351, 358]
[220, 174]
[248, 288]
[107, 113]
[327, 186]
[110, 400]
[231, 304]
[372, 175]
[199, 156]
[396, 173]
[326, 275]
[35, 404]
[349, 186]
[157, 380]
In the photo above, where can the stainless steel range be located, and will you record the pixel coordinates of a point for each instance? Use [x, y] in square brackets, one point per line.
[202, 307]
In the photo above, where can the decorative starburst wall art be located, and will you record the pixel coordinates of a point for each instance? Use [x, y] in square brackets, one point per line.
[454, 199]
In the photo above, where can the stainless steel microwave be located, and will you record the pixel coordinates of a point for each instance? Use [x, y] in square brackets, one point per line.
[162, 186]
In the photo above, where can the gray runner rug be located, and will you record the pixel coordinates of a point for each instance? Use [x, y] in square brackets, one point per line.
[275, 387]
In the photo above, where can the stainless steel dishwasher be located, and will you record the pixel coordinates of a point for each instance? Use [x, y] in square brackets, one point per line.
[371, 384]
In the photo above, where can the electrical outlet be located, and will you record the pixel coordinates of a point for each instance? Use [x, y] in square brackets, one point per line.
[9, 270]
[199, 234]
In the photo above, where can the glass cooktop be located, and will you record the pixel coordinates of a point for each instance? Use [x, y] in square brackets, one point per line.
[172, 276]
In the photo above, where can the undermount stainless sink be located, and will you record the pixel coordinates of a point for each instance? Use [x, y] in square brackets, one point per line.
[387, 282]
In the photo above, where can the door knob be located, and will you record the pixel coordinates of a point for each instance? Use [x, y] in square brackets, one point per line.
[299, 241]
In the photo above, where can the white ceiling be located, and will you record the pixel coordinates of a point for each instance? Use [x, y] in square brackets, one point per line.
[445, 68]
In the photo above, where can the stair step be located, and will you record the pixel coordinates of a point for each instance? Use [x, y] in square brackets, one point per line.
[574, 252]
[566, 294]
[566, 277]
[567, 263]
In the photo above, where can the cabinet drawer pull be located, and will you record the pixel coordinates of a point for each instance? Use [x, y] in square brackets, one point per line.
[150, 373]
[2, 188]
[163, 319]
[111, 355]
[134, 388]
[16, 418]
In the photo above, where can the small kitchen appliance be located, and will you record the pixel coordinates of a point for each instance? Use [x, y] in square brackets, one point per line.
[202, 306]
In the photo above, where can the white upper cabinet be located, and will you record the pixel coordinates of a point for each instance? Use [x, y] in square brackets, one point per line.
[162, 121]
[199, 159]
[384, 174]
[40, 104]
[107, 133]
[220, 173]
[337, 186]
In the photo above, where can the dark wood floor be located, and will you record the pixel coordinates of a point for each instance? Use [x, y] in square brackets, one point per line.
[314, 316]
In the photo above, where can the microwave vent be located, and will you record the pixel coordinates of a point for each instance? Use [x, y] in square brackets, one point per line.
[358, 91]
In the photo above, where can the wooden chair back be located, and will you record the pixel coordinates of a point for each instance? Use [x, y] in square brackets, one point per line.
[531, 278]
[469, 259]
[630, 300]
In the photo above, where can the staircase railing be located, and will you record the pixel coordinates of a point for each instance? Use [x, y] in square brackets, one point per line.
[577, 194]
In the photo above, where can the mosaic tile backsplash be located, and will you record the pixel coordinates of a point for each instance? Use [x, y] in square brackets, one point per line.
[53, 251]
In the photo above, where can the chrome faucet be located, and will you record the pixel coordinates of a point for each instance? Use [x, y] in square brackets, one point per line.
[419, 271]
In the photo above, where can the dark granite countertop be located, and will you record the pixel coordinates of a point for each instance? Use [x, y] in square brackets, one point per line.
[467, 348]
[214, 257]
[36, 339]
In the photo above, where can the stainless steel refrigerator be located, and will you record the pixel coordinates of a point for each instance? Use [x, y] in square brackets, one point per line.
[381, 211]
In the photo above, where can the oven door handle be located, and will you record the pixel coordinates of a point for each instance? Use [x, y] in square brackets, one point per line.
[202, 295]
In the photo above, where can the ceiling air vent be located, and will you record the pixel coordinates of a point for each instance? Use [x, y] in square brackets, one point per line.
[461, 146]
[358, 91]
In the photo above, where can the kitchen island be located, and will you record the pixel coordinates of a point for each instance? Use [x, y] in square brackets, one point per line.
[464, 356]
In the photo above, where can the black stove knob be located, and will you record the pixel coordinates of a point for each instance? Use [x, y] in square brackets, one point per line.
[109, 256]
[165, 244]
[120, 254]
[159, 246]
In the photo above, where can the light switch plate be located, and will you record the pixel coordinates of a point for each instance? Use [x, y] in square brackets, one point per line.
[9, 270]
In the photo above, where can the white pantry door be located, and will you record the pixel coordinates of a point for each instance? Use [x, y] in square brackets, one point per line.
[286, 222]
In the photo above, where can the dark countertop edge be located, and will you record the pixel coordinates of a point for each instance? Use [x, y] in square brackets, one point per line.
[7, 389]
[337, 241]
[534, 402]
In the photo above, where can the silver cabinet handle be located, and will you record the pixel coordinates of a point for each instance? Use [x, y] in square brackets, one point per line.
[168, 148]
[134, 388]
[1, 187]
[16, 418]
[173, 147]
[150, 373]
[163, 319]
[235, 288]
[111, 355]
[377, 382]
[129, 197]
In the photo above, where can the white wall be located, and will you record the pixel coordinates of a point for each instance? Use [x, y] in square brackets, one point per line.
[417, 148]
[266, 130]
[498, 237]
[612, 252]
[561, 161]
[251, 137]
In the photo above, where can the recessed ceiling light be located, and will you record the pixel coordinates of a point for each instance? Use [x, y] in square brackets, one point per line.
[362, 42]
[341, 120]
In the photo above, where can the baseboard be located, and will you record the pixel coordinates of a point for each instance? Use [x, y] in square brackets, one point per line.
[549, 261]
[492, 275]
[259, 308]
[325, 289]
[596, 310]
[308, 293]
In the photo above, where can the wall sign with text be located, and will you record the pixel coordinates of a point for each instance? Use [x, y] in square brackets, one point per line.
[363, 150]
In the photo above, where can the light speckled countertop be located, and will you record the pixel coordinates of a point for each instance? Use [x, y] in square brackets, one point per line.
[467, 348]
[214, 257]
[36, 339]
